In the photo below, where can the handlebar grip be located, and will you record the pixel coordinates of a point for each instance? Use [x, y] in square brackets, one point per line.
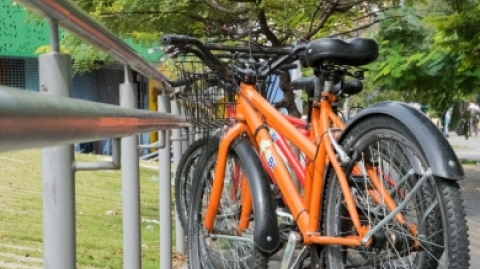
[178, 40]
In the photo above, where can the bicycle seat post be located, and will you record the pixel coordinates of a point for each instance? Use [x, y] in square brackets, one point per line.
[317, 93]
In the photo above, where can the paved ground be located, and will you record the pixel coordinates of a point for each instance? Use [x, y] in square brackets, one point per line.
[465, 148]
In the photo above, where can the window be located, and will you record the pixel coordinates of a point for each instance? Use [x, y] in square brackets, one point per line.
[12, 72]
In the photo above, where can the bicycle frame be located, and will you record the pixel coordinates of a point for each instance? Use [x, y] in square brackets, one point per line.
[286, 150]
[318, 149]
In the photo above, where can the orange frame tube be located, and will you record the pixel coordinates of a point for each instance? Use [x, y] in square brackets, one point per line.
[247, 205]
[217, 184]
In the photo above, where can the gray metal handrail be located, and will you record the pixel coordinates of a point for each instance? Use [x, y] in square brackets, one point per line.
[80, 23]
[31, 119]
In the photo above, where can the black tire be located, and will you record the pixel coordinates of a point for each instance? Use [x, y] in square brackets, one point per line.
[457, 255]
[183, 179]
[390, 148]
[207, 252]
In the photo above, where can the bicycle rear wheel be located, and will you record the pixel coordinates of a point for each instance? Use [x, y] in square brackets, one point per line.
[387, 149]
[224, 247]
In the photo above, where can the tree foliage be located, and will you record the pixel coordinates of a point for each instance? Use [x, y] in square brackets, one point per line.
[276, 21]
[422, 57]
[269, 22]
[457, 35]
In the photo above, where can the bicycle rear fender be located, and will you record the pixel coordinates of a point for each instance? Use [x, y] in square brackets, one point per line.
[440, 155]
[266, 235]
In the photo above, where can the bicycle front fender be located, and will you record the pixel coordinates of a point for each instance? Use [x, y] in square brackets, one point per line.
[440, 155]
[266, 235]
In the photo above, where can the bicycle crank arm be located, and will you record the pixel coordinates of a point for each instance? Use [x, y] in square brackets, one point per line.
[297, 260]
[293, 239]
[399, 208]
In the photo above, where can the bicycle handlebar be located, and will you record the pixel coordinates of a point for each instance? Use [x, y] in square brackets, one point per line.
[284, 56]
[208, 58]
[179, 40]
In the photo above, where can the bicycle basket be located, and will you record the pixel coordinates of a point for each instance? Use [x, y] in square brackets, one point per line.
[209, 101]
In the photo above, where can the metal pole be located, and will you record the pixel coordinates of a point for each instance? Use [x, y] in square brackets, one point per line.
[149, 156]
[191, 134]
[185, 131]
[58, 177]
[188, 112]
[165, 192]
[296, 73]
[155, 145]
[177, 154]
[346, 109]
[54, 36]
[198, 131]
[132, 256]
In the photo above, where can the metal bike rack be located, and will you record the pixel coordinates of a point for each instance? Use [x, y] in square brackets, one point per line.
[84, 121]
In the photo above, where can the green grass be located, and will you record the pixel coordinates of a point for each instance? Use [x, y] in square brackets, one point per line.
[98, 207]
[469, 162]
[460, 147]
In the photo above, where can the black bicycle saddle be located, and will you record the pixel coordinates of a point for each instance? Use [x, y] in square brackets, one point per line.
[353, 52]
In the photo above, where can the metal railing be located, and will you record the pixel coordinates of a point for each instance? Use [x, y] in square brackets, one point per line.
[36, 120]
[29, 119]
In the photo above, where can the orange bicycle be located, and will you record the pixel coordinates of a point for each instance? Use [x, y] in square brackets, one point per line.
[380, 192]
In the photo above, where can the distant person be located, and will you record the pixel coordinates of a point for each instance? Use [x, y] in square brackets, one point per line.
[472, 109]
[447, 119]
[475, 120]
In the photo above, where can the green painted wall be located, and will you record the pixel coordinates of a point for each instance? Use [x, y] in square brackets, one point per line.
[17, 37]
[21, 36]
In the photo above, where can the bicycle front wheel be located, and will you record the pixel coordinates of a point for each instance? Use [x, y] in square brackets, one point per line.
[387, 159]
[225, 246]
[184, 177]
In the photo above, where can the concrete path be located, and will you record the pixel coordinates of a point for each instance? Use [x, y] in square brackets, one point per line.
[466, 149]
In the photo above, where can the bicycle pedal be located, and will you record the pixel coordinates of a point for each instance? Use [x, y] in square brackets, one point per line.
[293, 239]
